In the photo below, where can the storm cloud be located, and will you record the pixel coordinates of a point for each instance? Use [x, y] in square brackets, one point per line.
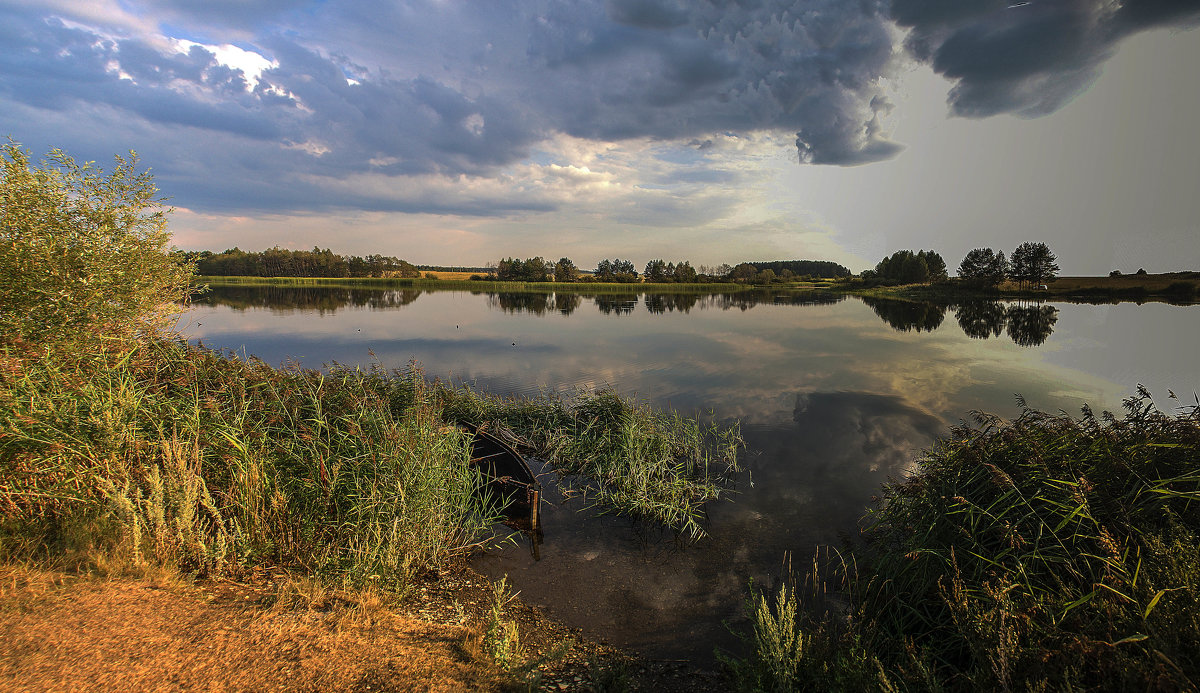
[1023, 57]
[304, 106]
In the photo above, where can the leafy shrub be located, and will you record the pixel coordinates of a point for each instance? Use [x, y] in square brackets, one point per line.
[83, 252]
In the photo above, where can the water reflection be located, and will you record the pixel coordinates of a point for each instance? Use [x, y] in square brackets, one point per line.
[1031, 325]
[327, 300]
[289, 299]
[907, 316]
[831, 398]
[1027, 324]
[982, 319]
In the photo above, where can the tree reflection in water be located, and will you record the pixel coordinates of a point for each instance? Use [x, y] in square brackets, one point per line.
[289, 299]
[906, 316]
[514, 302]
[1031, 325]
[1027, 324]
[981, 319]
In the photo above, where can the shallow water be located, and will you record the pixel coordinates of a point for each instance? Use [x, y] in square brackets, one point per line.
[834, 396]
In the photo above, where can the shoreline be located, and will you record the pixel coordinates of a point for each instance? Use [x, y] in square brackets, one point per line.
[1178, 288]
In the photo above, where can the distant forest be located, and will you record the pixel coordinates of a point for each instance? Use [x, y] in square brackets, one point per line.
[799, 268]
[280, 262]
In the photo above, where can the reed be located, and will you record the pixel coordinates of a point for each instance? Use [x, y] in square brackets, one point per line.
[1042, 553]
[632, 458]
[176, 455]
[167, 454]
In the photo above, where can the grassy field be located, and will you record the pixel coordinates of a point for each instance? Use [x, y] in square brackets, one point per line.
[1174, 287]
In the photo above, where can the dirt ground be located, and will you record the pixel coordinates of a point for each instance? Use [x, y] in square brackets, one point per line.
[70, 633]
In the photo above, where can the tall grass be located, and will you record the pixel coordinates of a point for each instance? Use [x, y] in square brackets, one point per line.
[174, 454]
[1046, 553]
[163, 453]
[637, 460]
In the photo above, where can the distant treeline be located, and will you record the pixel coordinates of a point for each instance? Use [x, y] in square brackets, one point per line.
[799, 268]
[280, 262]
[658, 271]
[447, 268]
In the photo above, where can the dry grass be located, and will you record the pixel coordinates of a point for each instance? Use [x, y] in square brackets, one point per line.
[78, 634]
[1152, 283]
[453, 276]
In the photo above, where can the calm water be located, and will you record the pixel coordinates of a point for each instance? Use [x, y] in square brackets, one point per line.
[834, 395]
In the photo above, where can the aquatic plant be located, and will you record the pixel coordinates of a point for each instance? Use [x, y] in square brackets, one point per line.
[632, 458]
[1043, 553]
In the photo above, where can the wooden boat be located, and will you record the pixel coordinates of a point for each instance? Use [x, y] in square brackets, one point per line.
[508, 476]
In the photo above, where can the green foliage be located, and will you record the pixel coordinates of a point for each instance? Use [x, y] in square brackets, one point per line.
[281, 262]
[1046, 553]
[1033, 263]
[565, 270]
[212, 464]
[984, 267]
[635, 459]
[794, 645]
[83, 254]
[808, 268]
[535, 269]
[1043, 552]
[621, 271]
[501, 636]
[907, 267]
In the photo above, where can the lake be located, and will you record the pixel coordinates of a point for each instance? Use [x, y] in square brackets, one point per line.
[835, 395]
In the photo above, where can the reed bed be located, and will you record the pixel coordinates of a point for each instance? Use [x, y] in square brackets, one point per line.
[634, 459]
[1046, 553]
[161, 453]
[171, 454]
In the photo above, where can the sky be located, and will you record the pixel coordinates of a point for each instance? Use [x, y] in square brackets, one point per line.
[457, 133]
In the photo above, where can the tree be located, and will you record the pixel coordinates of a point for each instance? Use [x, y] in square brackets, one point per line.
[1033, 263]
[616, 271]
[685, 273]
[984, 267]
[656, 271]
[84, 254]
[744, 272]
[534, 269]
[935, 264]
[908, 267]
[913, 269]
[565, 271]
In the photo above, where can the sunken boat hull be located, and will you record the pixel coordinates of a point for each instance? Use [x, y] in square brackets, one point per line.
[509, 479]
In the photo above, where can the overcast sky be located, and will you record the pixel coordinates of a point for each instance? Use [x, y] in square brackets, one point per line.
[451, 132]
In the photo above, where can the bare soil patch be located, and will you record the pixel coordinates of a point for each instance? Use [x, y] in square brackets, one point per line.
[61, 632]
[71, 634]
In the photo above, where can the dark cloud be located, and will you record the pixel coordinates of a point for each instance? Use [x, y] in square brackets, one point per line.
[648, 15]
[812, 68]
[1028, 58]
[416, 87]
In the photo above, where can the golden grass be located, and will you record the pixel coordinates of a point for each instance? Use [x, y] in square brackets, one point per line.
[452, 276]
[1152, 283]
[153, 635]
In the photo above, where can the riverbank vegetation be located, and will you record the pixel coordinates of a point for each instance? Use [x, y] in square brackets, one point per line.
[281, 262]
[122, 445]
[1045, 553]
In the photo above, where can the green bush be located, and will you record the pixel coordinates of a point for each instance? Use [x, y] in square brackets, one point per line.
[83, 252]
